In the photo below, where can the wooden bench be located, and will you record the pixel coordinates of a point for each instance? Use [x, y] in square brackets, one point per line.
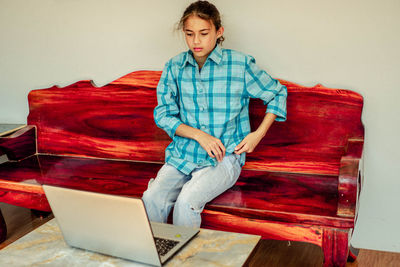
[302, 183]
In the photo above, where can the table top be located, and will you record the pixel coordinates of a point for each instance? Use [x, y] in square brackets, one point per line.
[45, 245]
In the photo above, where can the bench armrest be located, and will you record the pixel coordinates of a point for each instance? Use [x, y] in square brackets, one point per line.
[19, 144]
[350, 178]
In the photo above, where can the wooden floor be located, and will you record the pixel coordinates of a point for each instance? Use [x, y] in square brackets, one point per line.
[21, 221]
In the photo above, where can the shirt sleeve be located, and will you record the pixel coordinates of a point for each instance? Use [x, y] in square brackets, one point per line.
[260, 84]
[166, 113]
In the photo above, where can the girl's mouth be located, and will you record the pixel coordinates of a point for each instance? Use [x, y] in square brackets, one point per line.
[198, 49]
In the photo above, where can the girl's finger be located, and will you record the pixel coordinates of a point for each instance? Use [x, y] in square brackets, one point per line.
[223, 150]
[239, 146]
[218, 152]
[243, 149]
[209, 152]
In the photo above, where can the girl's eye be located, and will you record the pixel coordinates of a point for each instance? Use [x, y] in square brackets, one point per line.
[204, 34]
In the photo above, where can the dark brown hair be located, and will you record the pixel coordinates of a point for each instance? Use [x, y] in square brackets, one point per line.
[204, 10]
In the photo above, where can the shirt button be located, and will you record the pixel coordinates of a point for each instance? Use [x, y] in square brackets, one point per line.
[203, 127]
[201, 87]
[201, 108]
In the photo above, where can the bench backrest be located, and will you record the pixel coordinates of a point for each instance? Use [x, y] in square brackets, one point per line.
[116, 121]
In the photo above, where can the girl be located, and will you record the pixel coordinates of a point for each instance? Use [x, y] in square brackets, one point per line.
[203, 105]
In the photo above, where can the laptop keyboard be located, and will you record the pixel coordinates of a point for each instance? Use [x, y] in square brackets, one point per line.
[164, 245]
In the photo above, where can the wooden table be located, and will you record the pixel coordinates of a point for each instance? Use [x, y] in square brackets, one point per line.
[45, 246]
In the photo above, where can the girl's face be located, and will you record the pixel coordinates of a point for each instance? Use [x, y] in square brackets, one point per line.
[201, 37]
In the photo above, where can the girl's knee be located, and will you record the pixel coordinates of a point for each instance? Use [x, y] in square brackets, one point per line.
[187, 203]
[187, 212]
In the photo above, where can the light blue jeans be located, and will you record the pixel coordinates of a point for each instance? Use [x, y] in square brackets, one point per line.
[188, 194]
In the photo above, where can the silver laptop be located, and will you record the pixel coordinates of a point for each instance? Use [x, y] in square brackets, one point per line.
[114, 225]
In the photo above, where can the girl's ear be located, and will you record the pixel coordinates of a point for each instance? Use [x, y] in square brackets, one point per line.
[220, 32]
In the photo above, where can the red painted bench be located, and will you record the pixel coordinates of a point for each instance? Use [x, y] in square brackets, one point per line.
[302, 183]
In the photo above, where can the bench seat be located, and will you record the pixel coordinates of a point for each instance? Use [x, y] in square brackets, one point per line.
[307, 195]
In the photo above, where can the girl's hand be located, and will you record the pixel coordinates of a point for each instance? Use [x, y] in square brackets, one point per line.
[249, 143]
[212, 145]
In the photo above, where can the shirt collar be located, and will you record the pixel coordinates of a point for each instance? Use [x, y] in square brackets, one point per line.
[215, 55]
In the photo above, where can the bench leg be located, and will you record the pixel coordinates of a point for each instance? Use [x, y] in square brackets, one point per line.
[353, 254]
[3, 228]
[40, 214]
[335, 245]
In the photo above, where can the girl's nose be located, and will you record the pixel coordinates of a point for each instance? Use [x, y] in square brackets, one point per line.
[196, 39]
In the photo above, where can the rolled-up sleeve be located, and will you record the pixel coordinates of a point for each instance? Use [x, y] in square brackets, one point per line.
[166, 113]
[260, 84]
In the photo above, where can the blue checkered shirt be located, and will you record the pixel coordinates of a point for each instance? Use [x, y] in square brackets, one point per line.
[215, 100]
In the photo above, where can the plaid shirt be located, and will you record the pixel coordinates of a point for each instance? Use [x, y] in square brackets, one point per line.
[214, 100]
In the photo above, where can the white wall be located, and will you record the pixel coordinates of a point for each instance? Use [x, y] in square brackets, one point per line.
[346, 44]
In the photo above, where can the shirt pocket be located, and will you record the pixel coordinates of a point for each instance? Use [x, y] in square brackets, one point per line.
[228, 95]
